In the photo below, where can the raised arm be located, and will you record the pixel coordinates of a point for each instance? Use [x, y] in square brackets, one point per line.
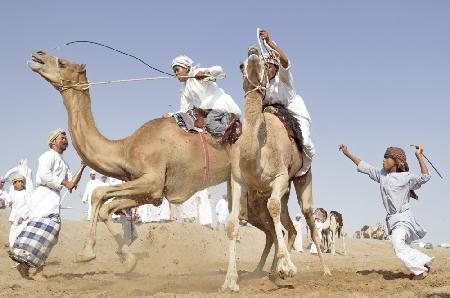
[423, 166]
[264, 34]
[74, 182]
[353, 158]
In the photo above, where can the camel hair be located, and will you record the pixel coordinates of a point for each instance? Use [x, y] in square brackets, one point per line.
[265, 160]
[333, 227]
[158, 160]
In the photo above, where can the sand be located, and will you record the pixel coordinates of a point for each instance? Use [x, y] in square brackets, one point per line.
[188, 260]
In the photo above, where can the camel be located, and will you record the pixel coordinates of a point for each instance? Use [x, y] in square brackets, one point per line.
[158, 160]
[264, 160]
[376, 231]
[332, 227]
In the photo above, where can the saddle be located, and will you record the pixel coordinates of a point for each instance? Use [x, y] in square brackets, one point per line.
[289, 121]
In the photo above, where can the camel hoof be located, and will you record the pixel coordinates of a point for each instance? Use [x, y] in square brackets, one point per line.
[286, 268]
[230, 286]
[326, 272]
[84, 257]
[130, 263]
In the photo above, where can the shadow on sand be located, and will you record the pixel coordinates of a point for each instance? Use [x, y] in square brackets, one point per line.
[388, 275]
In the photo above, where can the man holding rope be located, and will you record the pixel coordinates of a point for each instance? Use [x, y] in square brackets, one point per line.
[35, 242]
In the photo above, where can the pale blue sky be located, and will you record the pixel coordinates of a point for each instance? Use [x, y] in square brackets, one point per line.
[372, 73]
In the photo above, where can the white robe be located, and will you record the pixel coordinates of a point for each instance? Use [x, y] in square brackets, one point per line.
[4, 195]
[164, 210]
[222, 211]
[90, 187]
[204, 207]
[188, 209]
[52, 170]
[19, 209]
[206, 94]
[298, 243]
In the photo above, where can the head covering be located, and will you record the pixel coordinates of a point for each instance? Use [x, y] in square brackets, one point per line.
[399, 156]
[298, 216]
[92, 172]
[18, 177]
[272, 58]
[54, 134]
[183, 61]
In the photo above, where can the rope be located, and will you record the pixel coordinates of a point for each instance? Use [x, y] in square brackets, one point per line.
[118, 51]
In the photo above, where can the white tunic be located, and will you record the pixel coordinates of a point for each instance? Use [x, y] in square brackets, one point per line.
[188, 209]
[298, 243]
[204, 207]
[164, 210]
[90, 186]
[52, 170]
[222, 211]
[19, 209]
[206, 94]
[281, 90]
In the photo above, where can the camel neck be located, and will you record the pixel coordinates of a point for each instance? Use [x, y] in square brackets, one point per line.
[97, 151]
[251, 130]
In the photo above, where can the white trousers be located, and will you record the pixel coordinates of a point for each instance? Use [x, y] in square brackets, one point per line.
[296, 106]
[15, 231]
[411, 258]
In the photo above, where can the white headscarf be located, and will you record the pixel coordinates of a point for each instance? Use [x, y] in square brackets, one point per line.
[183, 61]
[18, 177]
[54, 134]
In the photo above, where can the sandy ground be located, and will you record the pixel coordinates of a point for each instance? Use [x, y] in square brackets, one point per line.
[188, 260]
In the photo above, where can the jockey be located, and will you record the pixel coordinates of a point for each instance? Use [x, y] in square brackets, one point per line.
[280, 90]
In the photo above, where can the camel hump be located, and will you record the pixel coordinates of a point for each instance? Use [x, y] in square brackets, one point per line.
[289, 121]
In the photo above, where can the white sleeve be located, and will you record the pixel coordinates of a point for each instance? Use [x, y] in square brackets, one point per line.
[215, 71]
[45, 173]
[184, 104]
[285, 75]
[365, 168]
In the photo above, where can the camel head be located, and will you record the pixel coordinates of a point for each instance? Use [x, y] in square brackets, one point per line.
[60, 73]
[254, 71]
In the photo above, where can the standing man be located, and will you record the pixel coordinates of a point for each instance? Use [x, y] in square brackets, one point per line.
[35, 242]
[20, 212]
[222, 211]
[5, 199]
[298, 243]
[204, 208]
[90, 186]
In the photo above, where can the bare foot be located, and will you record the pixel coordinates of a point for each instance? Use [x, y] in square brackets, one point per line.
[39, 275]
[24, 270]
[420, 276]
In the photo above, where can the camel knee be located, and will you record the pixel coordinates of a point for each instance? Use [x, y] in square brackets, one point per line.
[274, 207]
[232, 228]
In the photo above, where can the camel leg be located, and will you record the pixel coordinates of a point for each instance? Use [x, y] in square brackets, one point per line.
[333, 241]
[265, 253]
[144, 187]
[343, 240]
[106, 210]
[287, 222]
[232, 228]
[285, 267]
[303, 189]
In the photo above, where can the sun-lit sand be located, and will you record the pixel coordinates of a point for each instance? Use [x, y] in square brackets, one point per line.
[190, 260]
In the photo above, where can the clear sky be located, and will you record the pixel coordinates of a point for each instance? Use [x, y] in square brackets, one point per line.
[372, 73]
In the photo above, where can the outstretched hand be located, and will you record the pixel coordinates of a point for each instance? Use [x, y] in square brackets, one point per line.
[343, 148]
[264, 35]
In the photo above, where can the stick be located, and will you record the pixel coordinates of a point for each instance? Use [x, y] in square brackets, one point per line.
[426, 158]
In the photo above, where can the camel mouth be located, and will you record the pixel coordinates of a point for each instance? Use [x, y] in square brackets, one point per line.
[35, 63]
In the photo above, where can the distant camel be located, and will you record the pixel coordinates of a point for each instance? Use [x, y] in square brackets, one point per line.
[333, 227]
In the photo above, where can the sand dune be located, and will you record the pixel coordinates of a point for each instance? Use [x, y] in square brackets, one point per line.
[190, 261]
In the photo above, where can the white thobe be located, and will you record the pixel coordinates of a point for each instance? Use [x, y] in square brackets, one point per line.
[164, 210]
[222, 211]
[19, 209]
[52, 170]
[319, 225]
[90, 187]
[204, 207]
[298, 243]
[4, 195]
[188, 209]
[280, 90]
[206, 94]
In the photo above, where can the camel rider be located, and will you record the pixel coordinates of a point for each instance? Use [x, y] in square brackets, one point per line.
[35, 242]
[201, 90]
[280, 90]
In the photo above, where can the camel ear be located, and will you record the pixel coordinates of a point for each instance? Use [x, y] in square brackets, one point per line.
[82, 68]
[241, 67]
